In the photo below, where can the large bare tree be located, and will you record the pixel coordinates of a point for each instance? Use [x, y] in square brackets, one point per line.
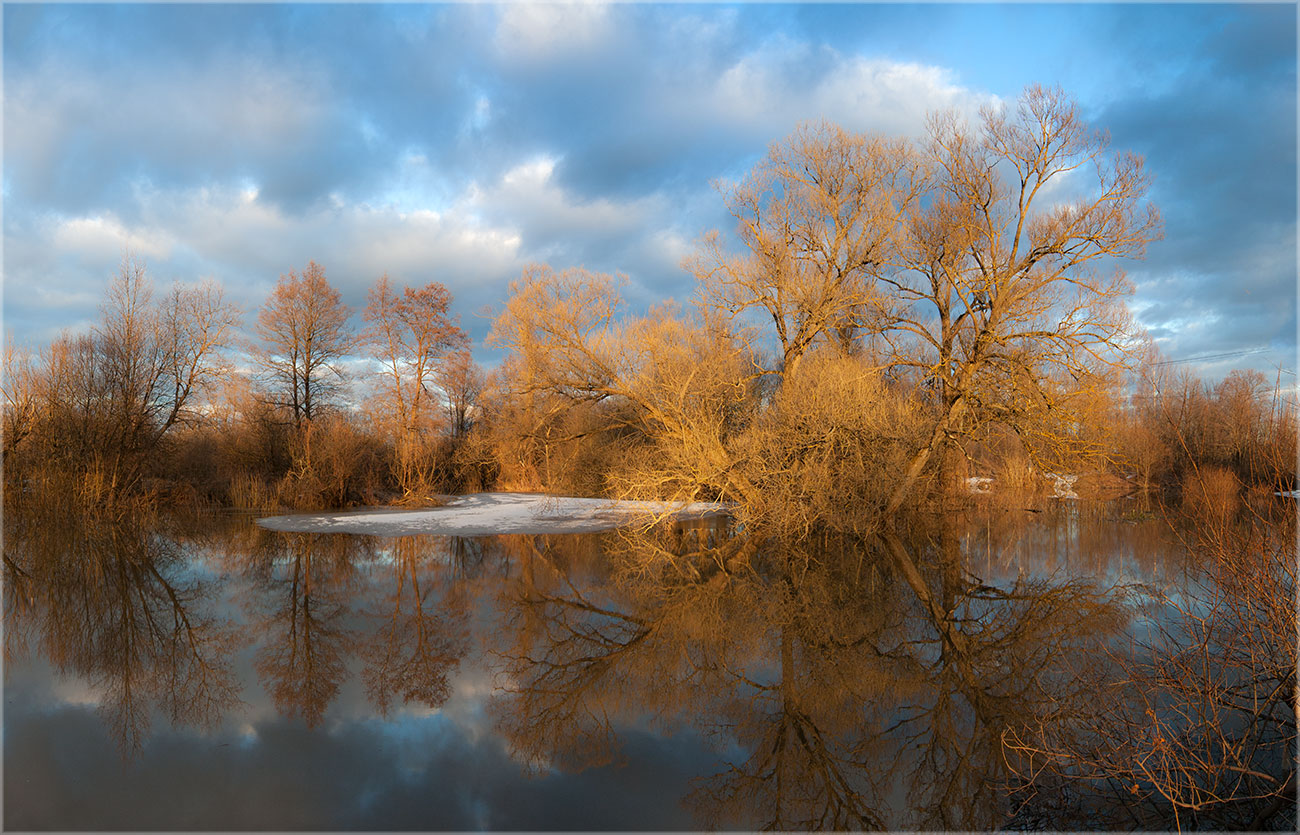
[818, 216]
[1006, 283]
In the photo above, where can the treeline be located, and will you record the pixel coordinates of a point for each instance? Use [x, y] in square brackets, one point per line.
[902, 315]
[164, 398]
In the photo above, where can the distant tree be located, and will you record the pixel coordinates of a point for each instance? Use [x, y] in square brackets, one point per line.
[18, 382]
[155, 357]
[415, 338]
[304, 331]
[104, 401]
[462, 381]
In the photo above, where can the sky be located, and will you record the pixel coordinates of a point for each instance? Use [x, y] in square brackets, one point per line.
[458, 143]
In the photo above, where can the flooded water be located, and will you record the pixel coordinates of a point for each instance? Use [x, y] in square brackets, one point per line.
[216, 675]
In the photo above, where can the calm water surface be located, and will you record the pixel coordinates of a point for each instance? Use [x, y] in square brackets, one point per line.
[215, 675]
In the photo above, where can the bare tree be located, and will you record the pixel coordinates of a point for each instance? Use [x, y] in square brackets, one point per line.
[194, 325]
[462, 382]
[998, 295]
[104, 401]
[157, 356]
[817, 216]
[414, 337]
[304, 331]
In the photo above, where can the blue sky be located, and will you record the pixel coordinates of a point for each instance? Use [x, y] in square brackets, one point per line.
[457, 143]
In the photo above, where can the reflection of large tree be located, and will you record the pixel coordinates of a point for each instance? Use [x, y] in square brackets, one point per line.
[421, 634]
[998, 659]
[106, 599]
[815, 662]
[308, 579]
[806, 705]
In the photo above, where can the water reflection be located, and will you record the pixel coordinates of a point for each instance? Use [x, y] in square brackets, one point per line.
[306, 586]
[421, 630]
[840, 699]
[836, 686]
[117, 606]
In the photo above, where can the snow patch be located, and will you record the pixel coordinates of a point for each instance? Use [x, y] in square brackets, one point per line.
[1063, 485]
[484, 514]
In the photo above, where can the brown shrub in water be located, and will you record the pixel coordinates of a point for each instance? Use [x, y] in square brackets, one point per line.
[1210, 492]
[248, 491]
[1017, 472]
[1193, 724]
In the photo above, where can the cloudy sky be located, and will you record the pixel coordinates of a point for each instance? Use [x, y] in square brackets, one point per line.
[457, 143]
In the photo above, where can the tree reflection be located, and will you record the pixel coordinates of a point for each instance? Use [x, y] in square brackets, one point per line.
[308, 580]
[107, 599]
[1002, 658]
[422, 632]
[860, 699]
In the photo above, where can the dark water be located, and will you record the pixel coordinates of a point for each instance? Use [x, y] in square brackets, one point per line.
[214, 675]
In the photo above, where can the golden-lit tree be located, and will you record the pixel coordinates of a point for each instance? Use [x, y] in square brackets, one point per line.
[678, 383]
[414, 337]
[304, 333]
[818, 216]
[1005, 283]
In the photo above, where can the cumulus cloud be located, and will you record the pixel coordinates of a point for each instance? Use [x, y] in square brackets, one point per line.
[475, 244]
[98, 240]
[534, 32]
[456, 142]
[773, 88]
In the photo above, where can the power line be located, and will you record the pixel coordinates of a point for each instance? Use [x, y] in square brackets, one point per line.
[1214, 356]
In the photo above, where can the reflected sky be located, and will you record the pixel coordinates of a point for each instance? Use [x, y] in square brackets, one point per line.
[238, 678]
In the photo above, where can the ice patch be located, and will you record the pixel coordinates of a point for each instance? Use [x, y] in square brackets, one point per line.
[484, 514]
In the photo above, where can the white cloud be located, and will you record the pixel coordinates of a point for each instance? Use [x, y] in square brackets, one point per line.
[535, 32]
[782, 83]
[102, 239]
[890, 97]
